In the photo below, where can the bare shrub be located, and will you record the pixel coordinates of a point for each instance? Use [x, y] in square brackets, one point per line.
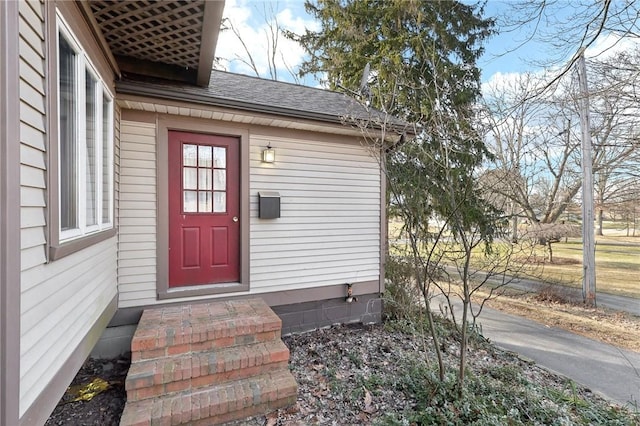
[552, 294]
[401, 294]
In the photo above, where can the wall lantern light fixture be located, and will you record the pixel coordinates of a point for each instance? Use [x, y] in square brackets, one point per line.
[269, 155]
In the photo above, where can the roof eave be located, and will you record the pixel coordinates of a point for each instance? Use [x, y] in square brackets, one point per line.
[174, 94]
[132, 88]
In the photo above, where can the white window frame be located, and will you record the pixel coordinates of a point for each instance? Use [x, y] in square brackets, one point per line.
[84, 65]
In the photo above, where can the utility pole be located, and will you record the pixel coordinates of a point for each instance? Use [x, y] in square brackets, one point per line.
[588, 243]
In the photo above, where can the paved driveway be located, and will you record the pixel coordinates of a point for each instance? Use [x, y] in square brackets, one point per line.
[607, 370]
[612, 372]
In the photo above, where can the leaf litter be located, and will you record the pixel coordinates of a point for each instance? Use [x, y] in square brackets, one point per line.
[347, 375]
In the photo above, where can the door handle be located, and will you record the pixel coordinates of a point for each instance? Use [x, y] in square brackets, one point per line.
[235, 218]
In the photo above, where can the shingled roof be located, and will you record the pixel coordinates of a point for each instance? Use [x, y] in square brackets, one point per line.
[254, 94]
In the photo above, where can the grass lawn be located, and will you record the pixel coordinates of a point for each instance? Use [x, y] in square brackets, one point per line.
[617, 265]
[617, 261]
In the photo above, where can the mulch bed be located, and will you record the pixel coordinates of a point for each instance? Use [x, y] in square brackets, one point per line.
[104, 408]
[347, 375]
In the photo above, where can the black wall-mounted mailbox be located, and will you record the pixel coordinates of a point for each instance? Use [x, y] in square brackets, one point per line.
[269, 205]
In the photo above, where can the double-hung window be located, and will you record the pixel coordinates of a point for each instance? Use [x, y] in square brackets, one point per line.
[85, 142]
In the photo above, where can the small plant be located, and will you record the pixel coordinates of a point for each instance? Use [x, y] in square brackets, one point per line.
[401, 296]
[335, 385]
[552, 293]
[373, 382]
[493, 395]
[355, 359]
[506, 374]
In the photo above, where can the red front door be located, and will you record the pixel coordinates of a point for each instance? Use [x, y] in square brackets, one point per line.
[204, 209]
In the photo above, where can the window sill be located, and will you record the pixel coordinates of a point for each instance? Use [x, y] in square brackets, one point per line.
[65, 249]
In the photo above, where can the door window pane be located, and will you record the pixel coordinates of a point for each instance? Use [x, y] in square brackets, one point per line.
[190, 178]
[68, 137]
[219, 157]
[219, 202]
[204, 206]
[190, 155]
[220, 180]
[204, 156]
[190, 203]
[204, 178]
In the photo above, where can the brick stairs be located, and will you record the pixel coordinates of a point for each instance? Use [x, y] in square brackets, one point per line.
[207, 364]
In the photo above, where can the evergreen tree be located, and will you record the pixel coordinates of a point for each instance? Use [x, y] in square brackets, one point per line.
[413, 47]
[423, 60]
[422, 56]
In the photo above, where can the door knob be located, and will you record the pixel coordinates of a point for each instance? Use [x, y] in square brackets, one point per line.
[235, 218]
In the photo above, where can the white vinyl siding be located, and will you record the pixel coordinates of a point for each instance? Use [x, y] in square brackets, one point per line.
[137, 214]
[61, 300]
[32, 134]
[60, 303]
[329, 232]
[329, 229]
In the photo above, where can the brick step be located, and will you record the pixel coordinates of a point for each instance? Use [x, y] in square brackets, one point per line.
[152, 378]
[217, 404]
[167, 331]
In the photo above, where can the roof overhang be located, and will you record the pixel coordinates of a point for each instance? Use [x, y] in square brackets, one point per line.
[191, 110]
[173, 40]
[394, 132]
[136, 88]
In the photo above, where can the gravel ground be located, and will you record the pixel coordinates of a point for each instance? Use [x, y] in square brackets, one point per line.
[347, 375]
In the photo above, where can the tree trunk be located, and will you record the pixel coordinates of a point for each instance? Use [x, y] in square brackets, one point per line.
[600, 214]
[514, 229]
[436, 342]
[466, 306]
[422, 282]
[463, 347]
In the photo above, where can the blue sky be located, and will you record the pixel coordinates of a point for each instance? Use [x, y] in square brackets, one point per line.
[505, 51]
[505, 54]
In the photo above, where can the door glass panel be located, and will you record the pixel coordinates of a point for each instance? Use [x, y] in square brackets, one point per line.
[190, 204]
[204, 205]
[220, 180]
[190, 155]
[204, 178]
[219, 157]
[190, 178]
[204, 156]
[219, 202]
